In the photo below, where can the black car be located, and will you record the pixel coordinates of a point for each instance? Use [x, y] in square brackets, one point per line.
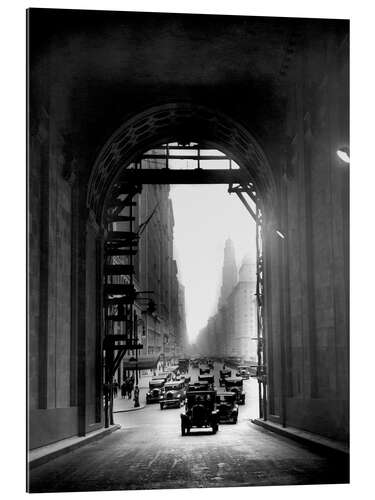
[199, 386]
[207, 378]
[200, 411]
[183, 365]
[155, 390]
[227, 407]
[235, 384]
[195, 363]
[204, 369]
[224, 373]
[186, 379]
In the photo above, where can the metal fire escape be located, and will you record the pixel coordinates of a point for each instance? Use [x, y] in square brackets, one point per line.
[119, 293]
[241, 190]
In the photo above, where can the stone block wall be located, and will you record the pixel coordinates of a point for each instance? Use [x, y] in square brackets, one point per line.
[307, 273]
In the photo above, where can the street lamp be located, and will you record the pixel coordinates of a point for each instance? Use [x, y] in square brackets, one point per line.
[343, 154]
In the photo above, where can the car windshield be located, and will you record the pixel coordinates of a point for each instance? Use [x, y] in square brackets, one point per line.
[225, 398]
[204, 399]
[234, 383]
[171, 387]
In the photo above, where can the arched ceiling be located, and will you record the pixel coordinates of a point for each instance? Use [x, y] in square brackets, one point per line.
[185, 122]
[92, 70]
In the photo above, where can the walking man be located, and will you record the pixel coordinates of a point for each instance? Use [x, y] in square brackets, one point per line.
[136, 397]
[130, 387]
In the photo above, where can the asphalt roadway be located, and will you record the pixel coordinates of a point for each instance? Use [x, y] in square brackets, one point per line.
[148, 452]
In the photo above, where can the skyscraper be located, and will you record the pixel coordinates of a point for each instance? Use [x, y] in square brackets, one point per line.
[229, 279]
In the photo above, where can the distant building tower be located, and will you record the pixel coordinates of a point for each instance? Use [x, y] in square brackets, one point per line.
[243, 313]
[229, 272]
[247, 270]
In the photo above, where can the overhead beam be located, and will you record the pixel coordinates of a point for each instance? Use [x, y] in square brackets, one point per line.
[195, 176]
[197, 156]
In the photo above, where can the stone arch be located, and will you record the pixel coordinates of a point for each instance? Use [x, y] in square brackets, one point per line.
[182, 121]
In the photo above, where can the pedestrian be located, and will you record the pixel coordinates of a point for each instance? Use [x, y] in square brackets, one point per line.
[115, 388]
[136, 397]
[123, 389]
[130, 387]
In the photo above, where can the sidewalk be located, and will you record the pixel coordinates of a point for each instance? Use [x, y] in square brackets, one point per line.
[44, 454]
[303, 437]
[123, 405]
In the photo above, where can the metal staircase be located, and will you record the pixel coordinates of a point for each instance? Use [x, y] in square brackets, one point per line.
[119, 292]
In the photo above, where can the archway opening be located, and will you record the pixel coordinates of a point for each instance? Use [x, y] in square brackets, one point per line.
[178, 160]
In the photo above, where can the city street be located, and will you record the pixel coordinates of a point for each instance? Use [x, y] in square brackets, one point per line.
[149, 452]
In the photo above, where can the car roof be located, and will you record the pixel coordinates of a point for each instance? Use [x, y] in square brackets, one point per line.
[233, 379]
[174, 382]
[200, 392]
[225, 393]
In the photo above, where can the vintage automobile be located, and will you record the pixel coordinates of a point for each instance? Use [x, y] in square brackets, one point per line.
[186, 379]
[183, 365]
[227, 407]
[207, 378]
[200, 411]
[204, 369]
[195, 363]
[173, 394]
[198, 386]
[223, 374]
[243, 371]
[235, 384]
[167, 375]
[155, 390]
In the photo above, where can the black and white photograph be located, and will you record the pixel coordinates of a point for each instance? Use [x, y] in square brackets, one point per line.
[187, 250]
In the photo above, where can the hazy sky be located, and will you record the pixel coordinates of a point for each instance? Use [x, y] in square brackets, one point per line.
[205, 216]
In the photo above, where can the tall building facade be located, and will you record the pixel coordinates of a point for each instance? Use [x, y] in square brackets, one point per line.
[241, 306]
[233, 328]
[161, 328]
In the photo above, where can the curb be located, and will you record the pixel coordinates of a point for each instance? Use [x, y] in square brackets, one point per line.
[130, 409]
[320, 443]
[70, 445]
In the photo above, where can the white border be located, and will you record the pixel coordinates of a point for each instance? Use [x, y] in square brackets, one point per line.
[362, 235]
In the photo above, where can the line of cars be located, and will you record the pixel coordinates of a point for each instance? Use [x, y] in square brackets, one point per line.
[205, 407]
